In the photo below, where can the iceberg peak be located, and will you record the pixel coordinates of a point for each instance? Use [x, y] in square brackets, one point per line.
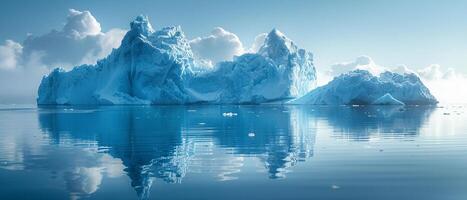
[277, 46]
[141, 25]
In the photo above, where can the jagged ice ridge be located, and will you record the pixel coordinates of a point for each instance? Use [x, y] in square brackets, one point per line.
[158, 67]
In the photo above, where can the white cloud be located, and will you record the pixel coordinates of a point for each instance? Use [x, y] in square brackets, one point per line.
[81, 24]
[9, 54]
[446, 84]
[362, 62]
[403, 69]
[435, 72]
[105, 43]
[221, 45]
[80, 41]
[259, 41]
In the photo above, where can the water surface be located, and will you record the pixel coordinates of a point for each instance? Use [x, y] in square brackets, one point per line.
[233, 152]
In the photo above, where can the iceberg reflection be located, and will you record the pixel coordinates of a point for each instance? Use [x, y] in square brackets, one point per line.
[168, 142]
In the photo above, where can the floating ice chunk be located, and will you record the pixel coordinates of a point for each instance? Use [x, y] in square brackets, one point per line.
[251, 134]
[229, 114]
[335, 187]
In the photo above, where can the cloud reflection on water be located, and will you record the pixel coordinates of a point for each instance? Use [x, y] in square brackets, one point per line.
[167, 143]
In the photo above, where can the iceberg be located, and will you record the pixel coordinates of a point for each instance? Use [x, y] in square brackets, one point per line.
[360, 87]
[158, 67]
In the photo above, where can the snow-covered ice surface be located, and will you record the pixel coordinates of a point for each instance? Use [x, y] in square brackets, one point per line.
[360, 87]
[387, 99]
[157, 67]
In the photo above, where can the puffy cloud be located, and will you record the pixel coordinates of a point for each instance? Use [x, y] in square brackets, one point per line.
[403, 69]
[79, 42]
[105, 43]
[259, 41]
[221, 45]
[435, 72]
[81, 24]
[20, 85]
[362, 62]
[444, 83]
[9, 54]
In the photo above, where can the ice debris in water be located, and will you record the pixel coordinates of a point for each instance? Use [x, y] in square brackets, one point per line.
[229, 114]
[251, 134]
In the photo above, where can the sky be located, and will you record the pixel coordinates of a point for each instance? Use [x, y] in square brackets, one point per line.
[415, 33]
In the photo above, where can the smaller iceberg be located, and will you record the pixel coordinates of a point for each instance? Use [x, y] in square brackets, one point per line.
[360, 87]
[387, 99]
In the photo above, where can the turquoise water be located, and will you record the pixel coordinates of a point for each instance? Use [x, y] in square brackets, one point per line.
[233, 152]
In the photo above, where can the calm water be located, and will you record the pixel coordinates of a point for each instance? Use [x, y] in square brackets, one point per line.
[233, 152]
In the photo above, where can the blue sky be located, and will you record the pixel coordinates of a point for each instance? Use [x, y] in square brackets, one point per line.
[416, 33]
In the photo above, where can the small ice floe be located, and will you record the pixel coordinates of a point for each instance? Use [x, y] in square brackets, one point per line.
[229, 114]
[191, 110]
[335, 187]
[251, 134]
[202, 123]
[68, 109]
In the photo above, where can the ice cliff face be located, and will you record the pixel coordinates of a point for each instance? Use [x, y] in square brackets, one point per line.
[361, 87]
[157, 67]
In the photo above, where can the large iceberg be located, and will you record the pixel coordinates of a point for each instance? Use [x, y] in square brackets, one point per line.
[361, 87]
[157, 67]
